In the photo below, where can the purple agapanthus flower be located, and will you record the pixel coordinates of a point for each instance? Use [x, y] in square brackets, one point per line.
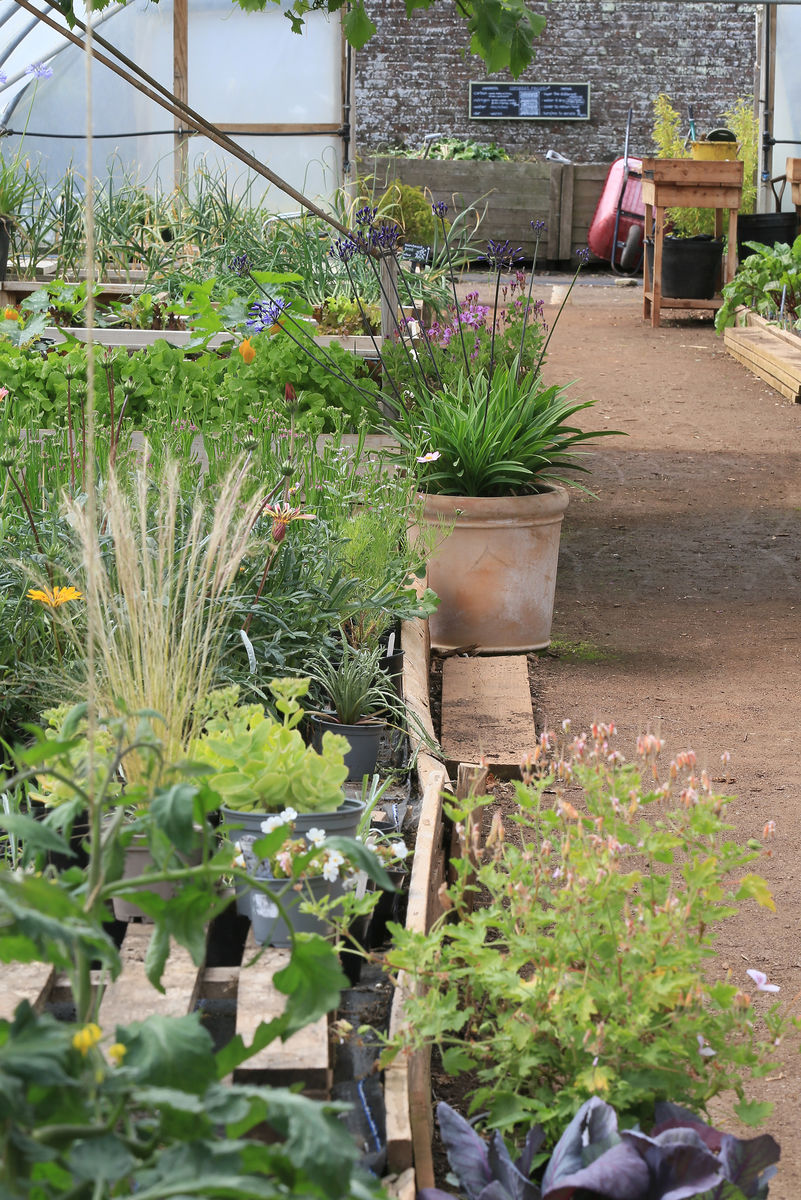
[263, 314]
[40, 70]
[366, 215]
[3, 77]
[538, 227]
[344, 249]
[439, 209]
[240, 265]
[386, 237]
[583, 255]
[501, 255]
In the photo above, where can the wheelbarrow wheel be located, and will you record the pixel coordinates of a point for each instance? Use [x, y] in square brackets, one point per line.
[631, 255]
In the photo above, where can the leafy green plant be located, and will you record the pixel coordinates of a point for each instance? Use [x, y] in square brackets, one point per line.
[583, 973]
[492, 436]
[671, 142]
[769, 281]
[467, 150]
[353, 685]
[682, 1156]
[258, 763]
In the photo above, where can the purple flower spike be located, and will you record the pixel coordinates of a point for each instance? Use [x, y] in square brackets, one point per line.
[539, 227]
[501, 255]
[386, 237]
[263, 314]
[439, 209]
[344, 249]
[240, 265]
[583, 255]
[366, 215]
[40, 70]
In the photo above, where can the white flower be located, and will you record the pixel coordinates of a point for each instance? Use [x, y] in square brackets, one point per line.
[332, 864]
[272, 823]
[704, 1050]
[315, 836]
[400, 849]
[289, 814]
[761, 981]
[432, 456]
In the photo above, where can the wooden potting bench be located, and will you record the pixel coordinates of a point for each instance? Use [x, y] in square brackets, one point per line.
[686, 183]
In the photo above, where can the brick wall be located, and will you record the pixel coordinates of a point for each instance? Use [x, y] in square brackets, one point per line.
[412, 78]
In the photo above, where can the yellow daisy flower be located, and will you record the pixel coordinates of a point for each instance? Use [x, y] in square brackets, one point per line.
[54, 597]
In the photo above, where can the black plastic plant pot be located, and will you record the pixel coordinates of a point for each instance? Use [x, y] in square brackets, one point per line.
[392, 666]
[765, 228]
[364, 740]
[690, 267]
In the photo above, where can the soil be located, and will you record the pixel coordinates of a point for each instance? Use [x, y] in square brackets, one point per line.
[678, 603]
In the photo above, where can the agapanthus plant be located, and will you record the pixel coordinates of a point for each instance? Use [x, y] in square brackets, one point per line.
[474, 415]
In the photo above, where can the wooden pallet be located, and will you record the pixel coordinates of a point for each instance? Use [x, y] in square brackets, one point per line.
[302, 1058]
[771, 357]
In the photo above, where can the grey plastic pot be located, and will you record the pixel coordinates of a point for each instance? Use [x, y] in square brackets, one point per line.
[270, 928]
[342, 822]
[364, 740]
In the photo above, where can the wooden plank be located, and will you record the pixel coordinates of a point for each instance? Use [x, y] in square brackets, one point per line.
[776, 384]
[302, 1058]
[690, 172]
[554, 211]
[486, 711]
[132, 995]
[24, 981]
[566, 214]
[764, 373]
[776, 357]
[669, 195]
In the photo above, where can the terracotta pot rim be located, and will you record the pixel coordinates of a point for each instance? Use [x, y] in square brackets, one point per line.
[535, 505]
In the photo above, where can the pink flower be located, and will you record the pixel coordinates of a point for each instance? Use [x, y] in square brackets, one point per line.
[761, 981]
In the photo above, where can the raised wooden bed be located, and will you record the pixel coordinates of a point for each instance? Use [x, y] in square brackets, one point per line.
[768, 351]
[514, 193]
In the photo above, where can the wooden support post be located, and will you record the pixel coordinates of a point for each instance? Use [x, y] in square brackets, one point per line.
[471, 781]
[389, 295]
[180, 52]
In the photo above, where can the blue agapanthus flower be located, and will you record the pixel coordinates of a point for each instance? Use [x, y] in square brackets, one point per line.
[439, 209]
[263, 314]
[40, 70]
[366, 215]
[241, 265]
[344, 249]
[501, 255]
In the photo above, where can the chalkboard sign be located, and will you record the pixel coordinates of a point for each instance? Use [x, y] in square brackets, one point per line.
[530, 101]
[419, 255]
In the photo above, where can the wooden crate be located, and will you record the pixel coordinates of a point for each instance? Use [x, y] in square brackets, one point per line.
[793, 170]
[686, 183]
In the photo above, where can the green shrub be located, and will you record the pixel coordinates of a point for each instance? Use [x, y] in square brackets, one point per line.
[582, 970]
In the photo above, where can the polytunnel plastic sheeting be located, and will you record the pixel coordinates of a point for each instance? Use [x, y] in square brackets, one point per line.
[243, 68]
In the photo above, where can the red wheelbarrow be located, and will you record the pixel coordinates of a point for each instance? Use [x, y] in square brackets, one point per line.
[617, 229]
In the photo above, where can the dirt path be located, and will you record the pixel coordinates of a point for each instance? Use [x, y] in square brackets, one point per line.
[678, 602]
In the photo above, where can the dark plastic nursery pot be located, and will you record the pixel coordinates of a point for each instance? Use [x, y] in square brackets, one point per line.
[365, 743]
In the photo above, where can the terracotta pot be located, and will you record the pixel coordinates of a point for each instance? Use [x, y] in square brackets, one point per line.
[495, 573]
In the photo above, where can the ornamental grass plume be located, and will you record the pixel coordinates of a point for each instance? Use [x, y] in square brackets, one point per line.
[157, 595]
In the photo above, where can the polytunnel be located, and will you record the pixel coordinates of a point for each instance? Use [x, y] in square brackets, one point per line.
[281, 96]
